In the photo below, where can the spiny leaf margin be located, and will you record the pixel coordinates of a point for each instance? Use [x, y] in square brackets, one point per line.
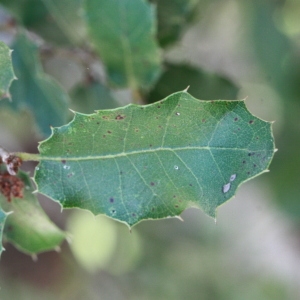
[7, 74]
[220, 178]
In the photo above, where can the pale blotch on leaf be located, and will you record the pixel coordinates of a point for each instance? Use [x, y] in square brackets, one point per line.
[226, 187]
[232, 177]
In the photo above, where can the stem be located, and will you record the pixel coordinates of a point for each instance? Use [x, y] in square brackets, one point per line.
[28, 156]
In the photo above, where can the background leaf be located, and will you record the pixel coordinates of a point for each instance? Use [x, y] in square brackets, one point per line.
[150, 162]
[58, 21]
[7, 73]
[28, 228]
[123, 33]
[173, 17]
[202, 85]
[34, 90]
[88, 97]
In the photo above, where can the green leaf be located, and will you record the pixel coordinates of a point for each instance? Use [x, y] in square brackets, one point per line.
[173, 17]
[154, 161]
[123, 32]
[201, 84]
[28, 228]
[56, 20]
[28, 12]
[86, 98]
[6, 71]
[68, 19]
[3, 216]
[34, 90]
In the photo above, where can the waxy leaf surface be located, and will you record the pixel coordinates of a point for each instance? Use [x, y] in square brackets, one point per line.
[154, 161]
[123, 33]
[6, 71]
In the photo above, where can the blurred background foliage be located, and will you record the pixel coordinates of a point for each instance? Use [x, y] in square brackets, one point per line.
[225, 49]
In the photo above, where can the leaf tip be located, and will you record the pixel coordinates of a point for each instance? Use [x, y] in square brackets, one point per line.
[69, 239]
[57, 249]
[186, 89]
[179, 218]
[34, 257]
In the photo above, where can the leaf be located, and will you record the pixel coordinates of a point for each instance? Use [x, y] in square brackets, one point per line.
[271, 46]
[66, 14]
[173, 17]
[123, 33]
[56, 20]
[154, 161]
[7, 73]
[28, 228]
[28, 12]
[202, 84]
[3, 216]
[92, 96]
[34, 90]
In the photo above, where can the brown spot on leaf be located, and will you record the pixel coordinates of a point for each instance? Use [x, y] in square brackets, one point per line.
[120, 117]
